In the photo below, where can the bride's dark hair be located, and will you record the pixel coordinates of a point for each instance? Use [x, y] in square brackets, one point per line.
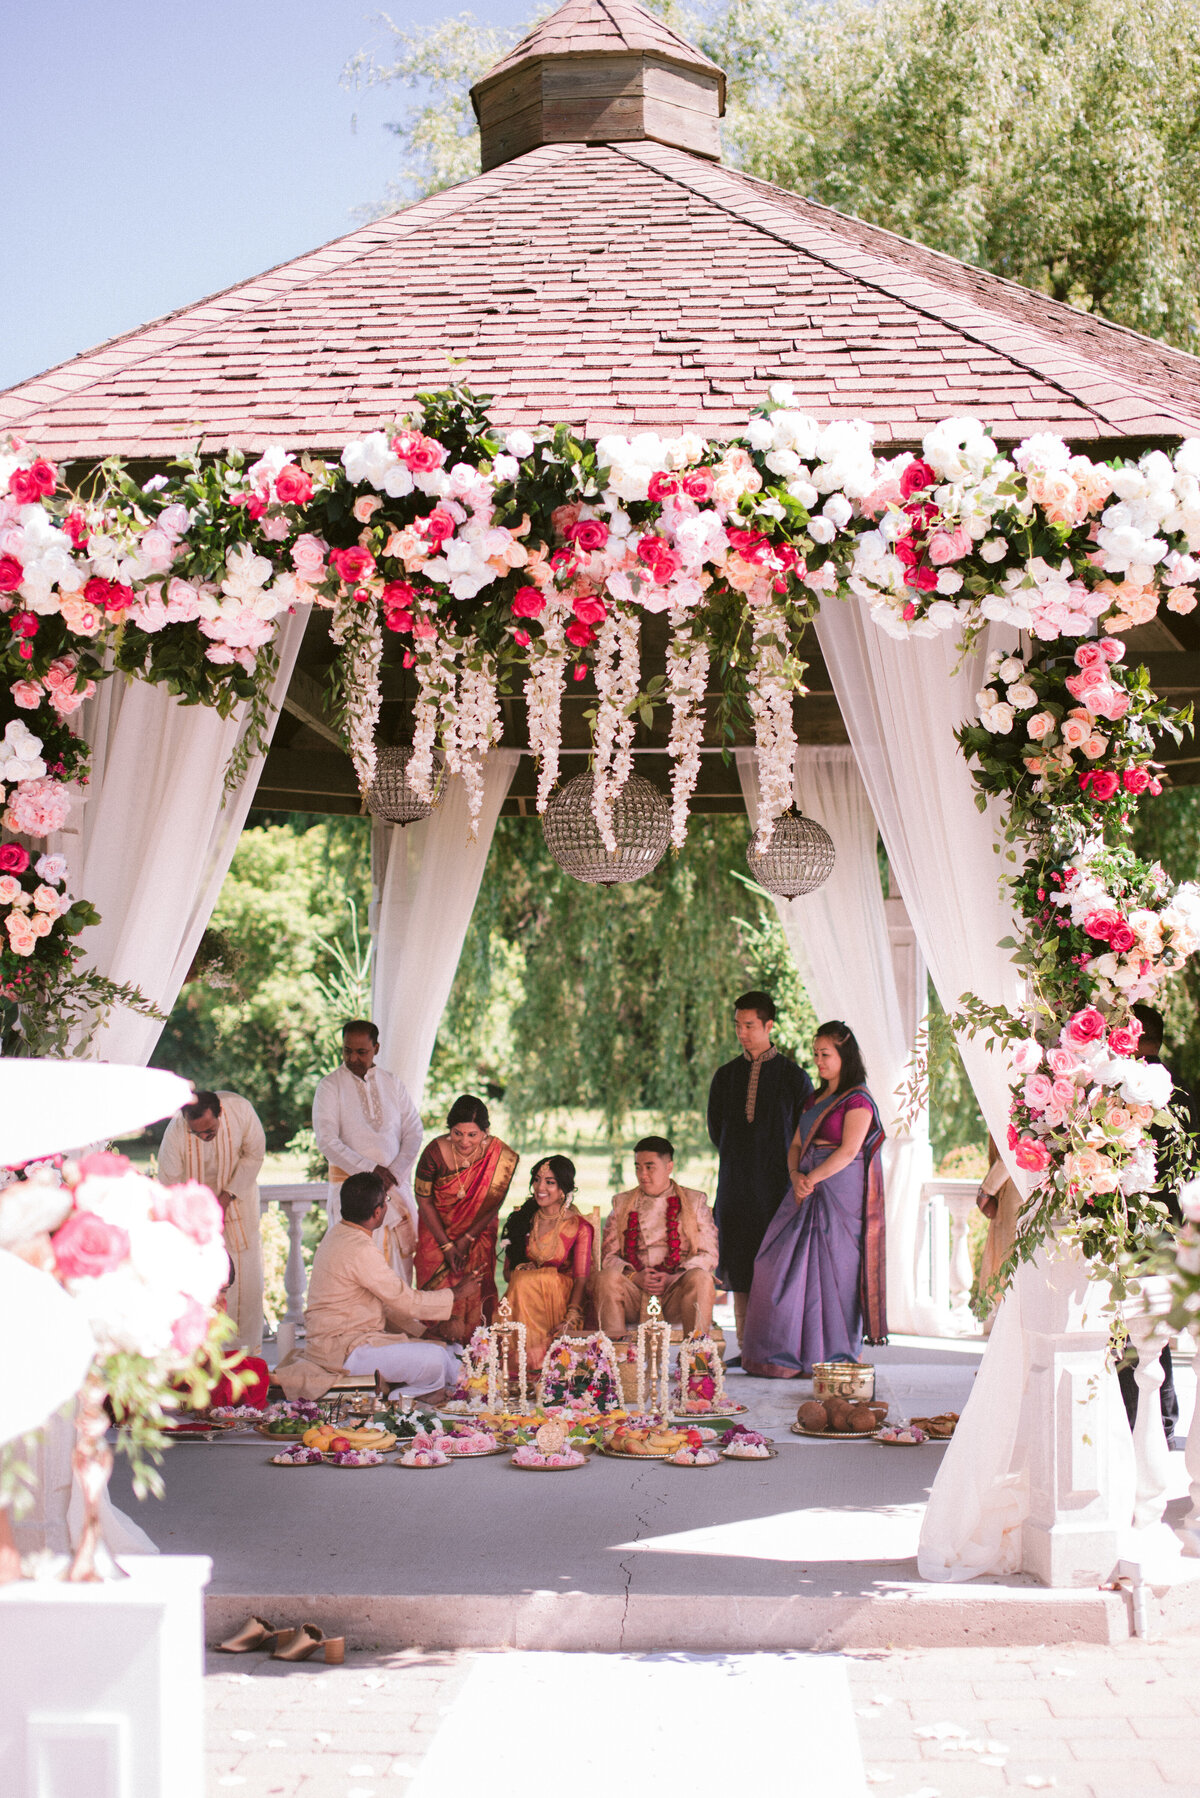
[846, 1043]
[521, 1221]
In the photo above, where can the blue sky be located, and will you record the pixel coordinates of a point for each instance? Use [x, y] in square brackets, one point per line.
[159, 150]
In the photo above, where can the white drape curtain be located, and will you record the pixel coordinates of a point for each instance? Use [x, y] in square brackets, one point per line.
[150, 842]
[427, 876]
[901, 702]
[839, 940]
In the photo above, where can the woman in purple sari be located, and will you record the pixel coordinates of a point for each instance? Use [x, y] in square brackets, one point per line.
[818, 1286]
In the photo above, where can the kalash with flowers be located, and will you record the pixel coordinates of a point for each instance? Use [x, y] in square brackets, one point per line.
[479, 558]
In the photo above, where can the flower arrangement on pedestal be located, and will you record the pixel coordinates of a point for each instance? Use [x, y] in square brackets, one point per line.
[146, 1265]
[506, 1362]
[701, 1378]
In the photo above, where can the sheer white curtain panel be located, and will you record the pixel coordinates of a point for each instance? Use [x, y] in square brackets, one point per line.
[427, 876]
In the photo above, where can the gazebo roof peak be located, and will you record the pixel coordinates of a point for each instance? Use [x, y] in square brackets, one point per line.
[600, 72]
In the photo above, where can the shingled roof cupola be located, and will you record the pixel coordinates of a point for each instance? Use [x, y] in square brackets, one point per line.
[600, 72]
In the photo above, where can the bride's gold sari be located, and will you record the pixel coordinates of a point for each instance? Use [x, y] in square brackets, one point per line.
[539, 1290]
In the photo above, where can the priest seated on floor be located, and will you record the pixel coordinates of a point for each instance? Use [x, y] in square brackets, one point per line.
[362, 1317]
[660, 1241]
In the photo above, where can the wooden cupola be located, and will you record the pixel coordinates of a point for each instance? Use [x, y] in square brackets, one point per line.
[600, 72]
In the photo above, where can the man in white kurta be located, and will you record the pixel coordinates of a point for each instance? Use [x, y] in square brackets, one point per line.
[366, 1123]
[219, 1141]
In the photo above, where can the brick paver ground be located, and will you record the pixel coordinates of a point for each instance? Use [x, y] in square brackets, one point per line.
[1085, 1722]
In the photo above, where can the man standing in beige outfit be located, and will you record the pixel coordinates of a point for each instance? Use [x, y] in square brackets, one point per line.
[660, 1241]
[218, 1141]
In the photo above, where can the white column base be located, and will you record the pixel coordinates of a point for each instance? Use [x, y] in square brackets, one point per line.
[1075, 1437]
[101, 1691]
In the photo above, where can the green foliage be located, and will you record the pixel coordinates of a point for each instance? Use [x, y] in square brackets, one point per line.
[1053, 142]
[272, 1033]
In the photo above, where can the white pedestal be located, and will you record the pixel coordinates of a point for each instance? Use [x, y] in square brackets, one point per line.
[101, 1691]
[1079, 1453]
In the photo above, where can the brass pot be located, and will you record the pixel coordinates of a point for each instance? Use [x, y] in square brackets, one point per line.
[843, 1379]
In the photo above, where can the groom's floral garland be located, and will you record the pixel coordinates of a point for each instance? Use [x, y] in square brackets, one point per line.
[476, 558]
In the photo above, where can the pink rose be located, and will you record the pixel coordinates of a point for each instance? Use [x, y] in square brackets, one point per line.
[1031, 1155]
[86, 1247]
[1124, 1039]
[580, 635]
[27, 694]
[1062, 1060]
[948, 546]
[1094, 747]
[366, 507]
[1037, 1092]
[563, 517]
[1101, 923]
[1027, 1056]
[10, 888]
[438, 527]
[1121, 940]
[353, 564]
[1086, 1026]
[103, 1164]
[1063, 1091]
[192, 1209]
[1041, 725]
[189, 1330]
[13, 859]
[308, 557]
[698, 483]
[1091, 655]
[1108, 702]
[590, 610]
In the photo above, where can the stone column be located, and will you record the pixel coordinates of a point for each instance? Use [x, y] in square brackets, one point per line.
[1073, 1436]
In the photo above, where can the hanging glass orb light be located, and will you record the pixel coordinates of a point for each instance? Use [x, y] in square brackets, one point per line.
[798, 859]
[641, 825]
[390, 795]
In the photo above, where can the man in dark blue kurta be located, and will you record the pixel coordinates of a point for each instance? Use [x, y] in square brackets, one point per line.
[754, 1105]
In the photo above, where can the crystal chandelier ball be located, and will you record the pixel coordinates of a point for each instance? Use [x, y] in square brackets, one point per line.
[798, 859]
[390, 795]
[641, 825]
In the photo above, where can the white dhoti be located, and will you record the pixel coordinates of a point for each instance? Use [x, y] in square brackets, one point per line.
[419, 1367]
[230, 1163]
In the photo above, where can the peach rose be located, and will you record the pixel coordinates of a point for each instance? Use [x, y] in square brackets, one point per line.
[1076, 731]
[1041, 725]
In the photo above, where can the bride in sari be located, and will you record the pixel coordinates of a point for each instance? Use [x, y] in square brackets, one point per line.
[549, 1258]
[818, 1284]
[461, 1181]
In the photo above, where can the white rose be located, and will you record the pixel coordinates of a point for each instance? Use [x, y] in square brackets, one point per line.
[785, 463]
[761, 433]
[519, 444]
[1011, 668]
[1189, 1192]
[838, 508]
[999, 719]
[993, 549]
[949, 580]
[1021, 696]
[822, 530]
[805, 492]
[1146, 1083]
[1187, 1253]
[782, 393]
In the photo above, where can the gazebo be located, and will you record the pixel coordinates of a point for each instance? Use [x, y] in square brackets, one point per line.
[607, 270]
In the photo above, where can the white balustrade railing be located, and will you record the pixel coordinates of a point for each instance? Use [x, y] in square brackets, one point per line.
[1150, 1546]
[296, 1202]
[944, 1273]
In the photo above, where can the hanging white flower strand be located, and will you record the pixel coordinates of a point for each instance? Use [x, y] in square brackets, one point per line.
[687, 680]
[472, 723]
[770, 689]
[617, 671]
[356, 628]
[545, 685]
[436, 677]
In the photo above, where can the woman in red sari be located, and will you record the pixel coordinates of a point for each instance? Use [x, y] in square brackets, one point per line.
[461, 1181]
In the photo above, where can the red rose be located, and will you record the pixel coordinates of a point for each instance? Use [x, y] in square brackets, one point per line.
[662, 486]
[1101, 924]
[424, 455]
[1135, 780]
[45, 475]
[699, 483]
[76, 525]
[1087, 1026]
[579, 671]
[589, 533]
[1103, 783]
[13, 859]
[437, 527]
[86, 1247]
[523, 638]
[11, 574]
[590, 610]
[1124, 1041]
[398, 618]
[292, 486]
[1122, 940]
[916, 478]
[580, 635]
[750, 545]
[1031, 1155]
[107, 596]
[527, 603]
[23, 624]
[352, 564]
[28, 485]
[398, 593]
[923, 579]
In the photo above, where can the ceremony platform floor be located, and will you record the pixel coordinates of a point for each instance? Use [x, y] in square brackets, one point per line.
[815, 1549]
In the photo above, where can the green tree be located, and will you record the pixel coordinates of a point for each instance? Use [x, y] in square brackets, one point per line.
[1055, 142]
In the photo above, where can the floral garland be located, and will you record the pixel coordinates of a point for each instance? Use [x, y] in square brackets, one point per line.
[470, 556]
[633, 1238]
[580, 1373]
[701, 1376]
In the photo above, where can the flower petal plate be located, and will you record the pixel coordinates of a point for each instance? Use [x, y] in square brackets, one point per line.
[771, 1455]
[833, 1435]
[523, 1467]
